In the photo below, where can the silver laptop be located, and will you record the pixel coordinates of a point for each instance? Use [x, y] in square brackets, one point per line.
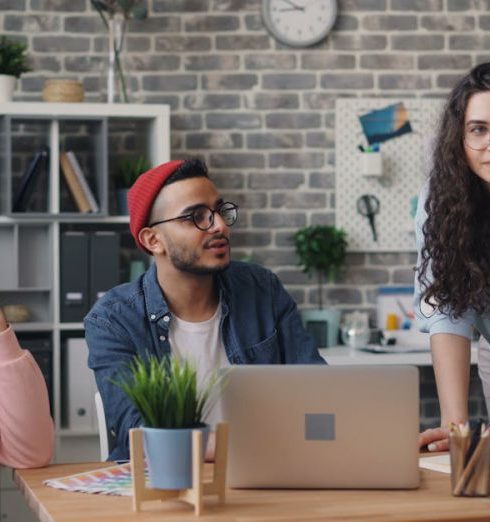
[322, 426]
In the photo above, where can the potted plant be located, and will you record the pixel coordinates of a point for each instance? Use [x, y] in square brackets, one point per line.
[321, 249]
[13, 62]
[127, 170]
[166, 394]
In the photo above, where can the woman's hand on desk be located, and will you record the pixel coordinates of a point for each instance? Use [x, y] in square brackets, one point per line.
[434, 439]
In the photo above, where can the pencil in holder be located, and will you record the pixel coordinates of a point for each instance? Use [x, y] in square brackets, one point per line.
[470, 461]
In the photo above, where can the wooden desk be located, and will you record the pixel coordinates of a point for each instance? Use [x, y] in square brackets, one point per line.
[432, 501]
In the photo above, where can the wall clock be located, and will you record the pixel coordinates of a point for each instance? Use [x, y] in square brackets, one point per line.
[299, 23]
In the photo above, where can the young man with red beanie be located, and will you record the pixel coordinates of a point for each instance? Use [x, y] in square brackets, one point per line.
[193, 301]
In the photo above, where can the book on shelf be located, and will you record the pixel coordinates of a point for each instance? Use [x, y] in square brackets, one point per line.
[78, 189]
[23, 195]
[83, 181]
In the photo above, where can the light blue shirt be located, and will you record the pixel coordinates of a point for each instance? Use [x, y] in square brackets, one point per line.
[436, 321]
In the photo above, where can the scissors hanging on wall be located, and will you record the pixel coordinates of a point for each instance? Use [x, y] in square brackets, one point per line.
[368, 207]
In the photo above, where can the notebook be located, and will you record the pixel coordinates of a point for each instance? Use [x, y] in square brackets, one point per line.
[322, 426]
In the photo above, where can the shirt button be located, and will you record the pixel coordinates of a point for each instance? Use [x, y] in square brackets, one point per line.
[162, 338]
[153, 317]
[166, 318]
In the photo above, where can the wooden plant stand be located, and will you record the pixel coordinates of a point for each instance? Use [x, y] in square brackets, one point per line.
[194, 495]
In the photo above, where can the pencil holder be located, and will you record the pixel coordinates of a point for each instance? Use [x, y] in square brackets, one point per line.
[469, 467]
[371, 164]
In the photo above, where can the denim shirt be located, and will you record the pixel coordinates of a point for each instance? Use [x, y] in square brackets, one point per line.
[260, 324]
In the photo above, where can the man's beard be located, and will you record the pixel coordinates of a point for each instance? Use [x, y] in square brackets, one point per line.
[186, 261]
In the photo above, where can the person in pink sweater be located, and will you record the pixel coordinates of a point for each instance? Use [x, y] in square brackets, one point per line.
[26, 427]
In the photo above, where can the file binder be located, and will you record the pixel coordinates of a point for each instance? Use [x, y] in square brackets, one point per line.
[104, 263]
[74, 300]
[81, 387]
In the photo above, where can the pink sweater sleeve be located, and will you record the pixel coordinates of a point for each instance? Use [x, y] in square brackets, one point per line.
[26, 427]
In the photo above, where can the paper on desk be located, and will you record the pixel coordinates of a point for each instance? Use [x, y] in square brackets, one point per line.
[439, 463]
[113, 480]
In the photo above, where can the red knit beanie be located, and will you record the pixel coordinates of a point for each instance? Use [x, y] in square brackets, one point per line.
[143, 193]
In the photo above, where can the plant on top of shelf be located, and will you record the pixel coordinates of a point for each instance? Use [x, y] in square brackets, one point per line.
[114, 15]
[13, 63]
[13, 57]
[321, 249]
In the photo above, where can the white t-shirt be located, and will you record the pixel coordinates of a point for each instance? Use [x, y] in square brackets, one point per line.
[199, 343]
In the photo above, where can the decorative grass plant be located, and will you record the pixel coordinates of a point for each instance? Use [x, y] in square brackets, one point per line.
[128, 169]
[165, 392]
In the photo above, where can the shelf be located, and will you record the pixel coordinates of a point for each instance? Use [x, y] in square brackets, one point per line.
[64, 432]
[71, 326]
[34, 256]
[32, 327]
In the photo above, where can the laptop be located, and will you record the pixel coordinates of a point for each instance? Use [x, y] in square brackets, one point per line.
[322, 426]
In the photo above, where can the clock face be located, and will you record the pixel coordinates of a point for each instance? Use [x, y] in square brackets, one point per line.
[299, 23]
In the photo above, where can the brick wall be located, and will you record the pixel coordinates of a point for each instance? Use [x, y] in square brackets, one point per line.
[262, 114]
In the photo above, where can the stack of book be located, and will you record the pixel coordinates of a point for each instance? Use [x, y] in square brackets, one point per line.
[31, 183]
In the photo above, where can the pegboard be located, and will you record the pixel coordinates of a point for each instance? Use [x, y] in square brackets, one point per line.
[405, 164]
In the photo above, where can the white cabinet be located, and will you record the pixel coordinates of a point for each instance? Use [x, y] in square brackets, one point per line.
[31, 240]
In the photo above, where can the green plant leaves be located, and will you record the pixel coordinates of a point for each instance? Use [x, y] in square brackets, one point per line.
[128, 169]
[165, 392]
[13, 58]
[320, 249]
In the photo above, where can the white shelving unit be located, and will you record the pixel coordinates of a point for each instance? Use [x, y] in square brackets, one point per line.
[99, 134]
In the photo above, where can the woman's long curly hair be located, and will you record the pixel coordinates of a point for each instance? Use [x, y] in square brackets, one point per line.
[457, 229]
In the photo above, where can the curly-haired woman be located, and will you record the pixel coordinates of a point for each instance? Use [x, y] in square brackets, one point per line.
[26, 428]
[453, 239]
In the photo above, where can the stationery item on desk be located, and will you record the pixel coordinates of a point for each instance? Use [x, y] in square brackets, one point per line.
[113, 480]
[391, 322]
[377, 348]
[440, 463]
[368, 206]
[470, 459]
[408, 317]
[355, 329]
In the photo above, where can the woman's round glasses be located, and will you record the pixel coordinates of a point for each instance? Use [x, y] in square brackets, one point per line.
[477, 138]
[203, 217]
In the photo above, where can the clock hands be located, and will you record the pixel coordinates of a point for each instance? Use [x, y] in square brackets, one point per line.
[295, 7]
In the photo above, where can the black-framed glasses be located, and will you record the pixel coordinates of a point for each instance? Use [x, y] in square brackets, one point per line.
[203, 216]
[477, 137]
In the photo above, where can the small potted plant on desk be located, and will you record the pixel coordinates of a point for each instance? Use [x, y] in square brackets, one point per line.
[321, 249]
[13, 63]
[127, 170]
[166, 394]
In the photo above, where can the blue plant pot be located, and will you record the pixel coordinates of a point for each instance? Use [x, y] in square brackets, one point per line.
[122, 201]
[323, 325]
[169, 456]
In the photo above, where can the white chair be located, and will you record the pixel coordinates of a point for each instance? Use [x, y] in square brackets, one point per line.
[103, 439]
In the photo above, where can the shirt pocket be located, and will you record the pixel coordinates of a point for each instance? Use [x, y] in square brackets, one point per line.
[265, 352]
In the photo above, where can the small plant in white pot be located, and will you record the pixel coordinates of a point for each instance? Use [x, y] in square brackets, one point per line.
[166, 394]
[13, 63]
[321, 249]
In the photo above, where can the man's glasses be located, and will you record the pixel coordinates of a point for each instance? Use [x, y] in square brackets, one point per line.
[477, 137]
[203, 217]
